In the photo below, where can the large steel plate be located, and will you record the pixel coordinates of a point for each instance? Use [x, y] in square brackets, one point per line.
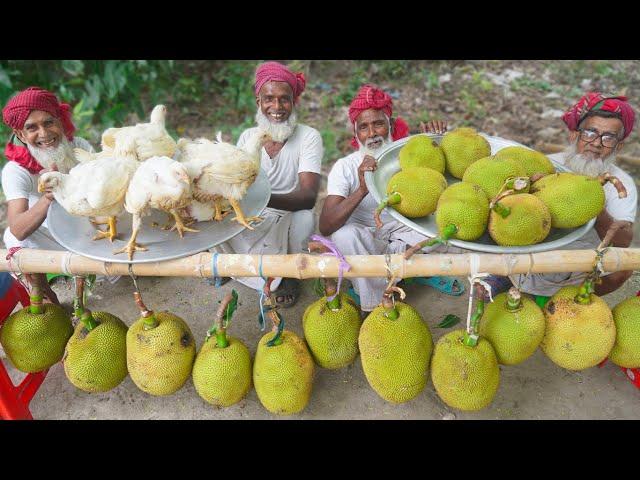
[388, 165]
[76, 233]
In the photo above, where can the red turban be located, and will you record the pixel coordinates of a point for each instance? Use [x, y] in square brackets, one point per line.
[596, 101]
[276, 72]
[16, 112]
[371, 97]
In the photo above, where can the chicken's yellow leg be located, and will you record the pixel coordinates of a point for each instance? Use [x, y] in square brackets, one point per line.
[240, 218]
[179, 226]
[132, 246]
[110, 233]
[219, 216]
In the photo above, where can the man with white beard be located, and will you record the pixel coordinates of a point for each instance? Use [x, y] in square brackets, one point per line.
[598, 125]
[348, 212]
[292, 162]
[42, 140]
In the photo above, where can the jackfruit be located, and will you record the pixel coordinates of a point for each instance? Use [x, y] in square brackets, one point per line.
[520, 219]
[527, 160]
[395, 351]
[626, 350]
[461, 148]
[572, 199]
[283, 374]
[421, 151]
[222, 370]
[580, 331]
[514, 325]
[331, 330]
[160, 352]
[95, 358]
[465, 206]
[34, 338]
[413, 192]
[465, 377]
[490, 174]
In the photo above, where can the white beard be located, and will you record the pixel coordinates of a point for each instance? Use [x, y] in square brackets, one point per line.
[279, 131]
[586, 164]
[62, 156]
[368, 149]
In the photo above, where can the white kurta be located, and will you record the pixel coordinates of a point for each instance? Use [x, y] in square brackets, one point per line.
[17, 183]
[619, 208]
[359, 235]
[281, 231]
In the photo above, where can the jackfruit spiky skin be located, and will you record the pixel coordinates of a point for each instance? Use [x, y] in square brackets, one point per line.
[283, 374]
[222, 376]
[514, 335]
[35, 342]
[572, 199]
[160, 359]
[466, 206]
[332, 336]
[395, 354]
[422, 151]
[96, 361]
[528, 223]
[529, 161]
[461, 148]
[490, 174]
[577, 336]
[466, 378]
[626, 351]
[420, 189]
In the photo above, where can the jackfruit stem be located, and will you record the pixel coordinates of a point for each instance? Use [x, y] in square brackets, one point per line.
[36, 306]
[150, 321]
[448, 232]
[584, 293]
[78, 301]
[219, 328]
[615, 181]
[89, 322]
[501, 210]
[390, 310]
[471, 336]
[277, 340]
[330, 289]
[514, 300]
[391, 199]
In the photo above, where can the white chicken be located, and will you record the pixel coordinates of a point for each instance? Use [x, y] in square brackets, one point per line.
[220, 170]
[159, 183]
[95, 188]
[151, 139]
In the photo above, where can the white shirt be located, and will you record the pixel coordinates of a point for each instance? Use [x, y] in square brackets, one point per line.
[18, 182]
[302, 152]
[343, 181]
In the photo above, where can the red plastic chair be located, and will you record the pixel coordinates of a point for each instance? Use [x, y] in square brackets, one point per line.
[14, 400]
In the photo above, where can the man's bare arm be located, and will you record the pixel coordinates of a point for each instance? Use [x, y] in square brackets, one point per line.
[303, 198]
[23, 221]
[337, 210]
[622, 237]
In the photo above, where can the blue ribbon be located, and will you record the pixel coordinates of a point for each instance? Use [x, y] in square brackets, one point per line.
[214, 268]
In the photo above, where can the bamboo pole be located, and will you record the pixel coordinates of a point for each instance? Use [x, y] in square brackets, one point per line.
[305, 265]
[554, 148]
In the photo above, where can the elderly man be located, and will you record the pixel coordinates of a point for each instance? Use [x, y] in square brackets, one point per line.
[348, 211]
[42, 140]
[292, 162]
[598, 125]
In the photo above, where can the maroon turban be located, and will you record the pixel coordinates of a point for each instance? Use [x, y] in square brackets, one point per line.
[371, 97]
[596, 101]
[15, 114]
[276, 72]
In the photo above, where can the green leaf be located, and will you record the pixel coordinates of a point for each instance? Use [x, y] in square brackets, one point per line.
[318, 288]
[231, 307]
[73, 67]
[449, 321]
[5, 81]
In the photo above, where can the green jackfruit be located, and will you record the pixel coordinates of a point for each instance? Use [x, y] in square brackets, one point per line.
[466, 378]
[466, 206]
[414, 192]
[626, 351]
[461, 148]
[395, 353]
[527, 160]
[527, 220]
[490, 174]
[421, 151]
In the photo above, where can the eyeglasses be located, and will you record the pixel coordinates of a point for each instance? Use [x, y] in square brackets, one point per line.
[608, 140]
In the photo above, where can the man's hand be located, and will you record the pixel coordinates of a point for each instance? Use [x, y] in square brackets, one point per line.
[48, 194]
[434, 126]
[368, 165]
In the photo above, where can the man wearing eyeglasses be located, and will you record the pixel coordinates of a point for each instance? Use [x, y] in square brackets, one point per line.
[598, 126]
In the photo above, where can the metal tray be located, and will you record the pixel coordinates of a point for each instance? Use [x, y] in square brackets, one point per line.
[76, 233]
[388, 165]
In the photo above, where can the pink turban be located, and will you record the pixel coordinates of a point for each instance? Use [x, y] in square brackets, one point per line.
[371, 97]
[18, 109]
[276, 72]
[596, 101]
